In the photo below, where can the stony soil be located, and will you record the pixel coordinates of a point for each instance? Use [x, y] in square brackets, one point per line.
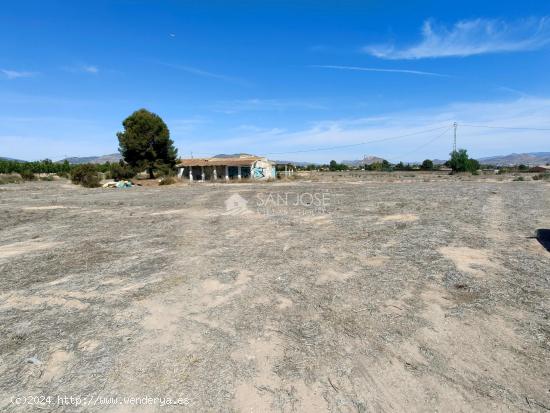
[407, 293]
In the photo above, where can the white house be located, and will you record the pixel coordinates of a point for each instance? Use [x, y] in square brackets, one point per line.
[211, 169]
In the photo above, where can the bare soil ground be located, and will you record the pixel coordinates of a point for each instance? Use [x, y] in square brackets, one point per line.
[374, 293]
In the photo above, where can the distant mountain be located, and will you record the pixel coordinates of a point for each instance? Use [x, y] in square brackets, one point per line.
[367, 160]
[10, 159]
[113, 157]
[531, 159]
[232, 155]
[299, 163]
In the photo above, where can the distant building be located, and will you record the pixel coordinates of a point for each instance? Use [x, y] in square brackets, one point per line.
[540, 168]
[211, 169]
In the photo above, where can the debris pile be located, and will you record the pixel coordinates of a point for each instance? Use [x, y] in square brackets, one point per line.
[119, 184]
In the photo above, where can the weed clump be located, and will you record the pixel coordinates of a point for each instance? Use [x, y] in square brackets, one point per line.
[27, 175]
[167, 180]
[10, 179]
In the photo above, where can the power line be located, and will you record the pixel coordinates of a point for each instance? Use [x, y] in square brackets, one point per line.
[328, 148]
[455, 126]
[504, 127]
[400, 157]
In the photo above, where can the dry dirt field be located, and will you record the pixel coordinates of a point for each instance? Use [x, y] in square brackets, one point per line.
[372, 294]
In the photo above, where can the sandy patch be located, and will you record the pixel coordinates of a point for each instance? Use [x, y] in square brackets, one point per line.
[57, 365]
[251, 396]
[284, 303]
[169, 212]
[317, 219]
[374, 261]
[88, 345]
[469, 260]
[400, 218]
[330, 275]
[187, 212]
[24, 247]
[29, 301]
[46, 207]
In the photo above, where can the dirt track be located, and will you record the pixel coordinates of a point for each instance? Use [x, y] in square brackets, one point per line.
[366, 296]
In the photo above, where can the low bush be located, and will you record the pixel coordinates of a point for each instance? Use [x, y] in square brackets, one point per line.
[165, 170]
[519, 178]
[47, 178]
[10, 179]
[544, 176]
[27, 175]
[121, 172]
[85, 175]
[167, 180]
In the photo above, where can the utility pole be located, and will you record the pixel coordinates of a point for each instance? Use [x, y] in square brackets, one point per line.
[454, 141]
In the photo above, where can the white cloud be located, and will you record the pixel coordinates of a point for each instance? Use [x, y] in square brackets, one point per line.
[245, 105]
[203, 73]
[470, 37]
[90, 69]
[184, 126]
[15, 74]
[378, 133]
[374, 69]
[82, 68]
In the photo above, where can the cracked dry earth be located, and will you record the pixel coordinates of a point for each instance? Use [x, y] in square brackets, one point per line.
[395, 296]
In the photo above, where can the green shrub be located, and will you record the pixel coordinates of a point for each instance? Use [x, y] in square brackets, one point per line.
[90, 181]
[47, 178]
[121, 172]
[165, 170]
[544, 176]
[27, 175]
[85, 175]
[519, 178]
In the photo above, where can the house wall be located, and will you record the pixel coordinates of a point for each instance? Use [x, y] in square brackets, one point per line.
[260, 170]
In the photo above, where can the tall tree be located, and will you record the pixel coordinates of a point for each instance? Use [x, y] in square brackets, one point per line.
[145, 142]
[427, 165]
[460, 162]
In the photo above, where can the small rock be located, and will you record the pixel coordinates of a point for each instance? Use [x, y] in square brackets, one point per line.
[33, 360]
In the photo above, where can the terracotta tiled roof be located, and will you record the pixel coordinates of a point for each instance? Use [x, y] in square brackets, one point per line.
[218, 161]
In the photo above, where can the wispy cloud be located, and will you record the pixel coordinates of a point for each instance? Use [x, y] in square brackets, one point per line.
[374, 69]
[82, 68]
[470, 37]
[90, 69]
[203, 73]
[184, 126]
[417, 131]
[279, 105]
[16, 74]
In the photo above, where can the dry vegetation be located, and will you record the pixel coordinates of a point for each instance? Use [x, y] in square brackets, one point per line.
[406, 293]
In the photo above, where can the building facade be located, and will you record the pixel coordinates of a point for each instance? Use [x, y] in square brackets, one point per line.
[212, 169]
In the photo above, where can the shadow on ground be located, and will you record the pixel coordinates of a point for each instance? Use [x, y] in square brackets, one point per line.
[543, 236]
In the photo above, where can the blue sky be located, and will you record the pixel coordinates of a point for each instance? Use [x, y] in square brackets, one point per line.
[278, 78]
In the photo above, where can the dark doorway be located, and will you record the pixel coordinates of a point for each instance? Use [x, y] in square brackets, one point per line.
[245, 172]
[197, 173]
[233, 172]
